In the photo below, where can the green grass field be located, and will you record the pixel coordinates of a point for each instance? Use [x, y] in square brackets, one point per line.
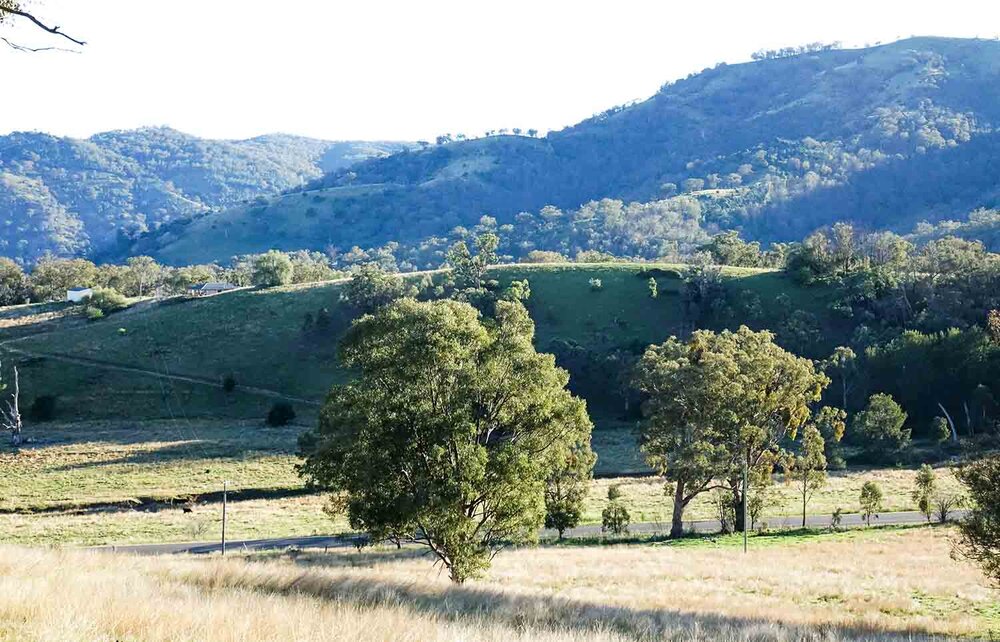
[103, 483]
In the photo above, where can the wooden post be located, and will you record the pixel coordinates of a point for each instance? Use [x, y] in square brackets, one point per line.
[225, 490]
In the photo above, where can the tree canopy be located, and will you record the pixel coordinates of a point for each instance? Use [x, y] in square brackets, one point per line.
[717, 401]
[450, 431]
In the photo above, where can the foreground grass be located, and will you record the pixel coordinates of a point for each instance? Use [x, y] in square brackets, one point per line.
[101, 483]
[880, 587]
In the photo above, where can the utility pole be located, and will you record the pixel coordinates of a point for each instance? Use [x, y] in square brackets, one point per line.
[746, 498]
[225, 492]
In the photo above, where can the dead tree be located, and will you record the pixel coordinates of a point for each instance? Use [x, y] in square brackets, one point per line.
[10, 417]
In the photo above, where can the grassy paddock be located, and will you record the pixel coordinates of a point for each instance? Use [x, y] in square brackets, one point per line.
[882, 587]
[94, 483]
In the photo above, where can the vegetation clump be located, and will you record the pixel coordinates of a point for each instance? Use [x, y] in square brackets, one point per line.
[281, 414]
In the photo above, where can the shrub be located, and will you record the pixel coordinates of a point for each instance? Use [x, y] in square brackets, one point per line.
[43, 408]
[596, 285]
[615, 518]
[280, 414]
[107, 300]
[940, 430]
[880, 427]
[229, 383]
[653, 291]
[92, 313]
[836, 518]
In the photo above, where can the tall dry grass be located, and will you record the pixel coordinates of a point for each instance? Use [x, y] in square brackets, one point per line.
[893, 586]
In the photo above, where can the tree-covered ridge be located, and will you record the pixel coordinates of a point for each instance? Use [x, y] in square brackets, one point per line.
[885, 137]
[74, 197]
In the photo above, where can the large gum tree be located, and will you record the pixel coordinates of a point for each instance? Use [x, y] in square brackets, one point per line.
[449, 432]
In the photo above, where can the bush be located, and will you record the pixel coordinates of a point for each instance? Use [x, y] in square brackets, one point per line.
[596, 285]
[880, 427]
[43, 408]
[940, 430]
[229, 383]
[107, 300]
[280, 414]
[615, 518]
[92, 313]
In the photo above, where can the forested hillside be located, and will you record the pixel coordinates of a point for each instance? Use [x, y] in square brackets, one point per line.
[91, 197]
[885, 137]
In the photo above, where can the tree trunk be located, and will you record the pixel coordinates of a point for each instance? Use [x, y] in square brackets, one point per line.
[677, 523]
[843, 385]
[739, 525]
[805, 489]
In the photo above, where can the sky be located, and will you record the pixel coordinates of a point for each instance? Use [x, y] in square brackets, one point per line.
[406, 70]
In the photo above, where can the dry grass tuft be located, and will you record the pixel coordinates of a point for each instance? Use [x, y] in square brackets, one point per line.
[888, 586]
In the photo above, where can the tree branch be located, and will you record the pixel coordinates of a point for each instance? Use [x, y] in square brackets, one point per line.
[17, 47]
[38, 23]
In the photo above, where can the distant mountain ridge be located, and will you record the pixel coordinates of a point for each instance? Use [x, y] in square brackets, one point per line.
[885, 137]
[90, 197]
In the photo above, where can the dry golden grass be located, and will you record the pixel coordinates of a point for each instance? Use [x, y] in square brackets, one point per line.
[883, 586]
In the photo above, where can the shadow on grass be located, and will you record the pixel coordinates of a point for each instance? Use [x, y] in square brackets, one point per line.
[472, 604]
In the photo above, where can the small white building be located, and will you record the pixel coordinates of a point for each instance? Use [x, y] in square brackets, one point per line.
[208, 289]
[78, 294]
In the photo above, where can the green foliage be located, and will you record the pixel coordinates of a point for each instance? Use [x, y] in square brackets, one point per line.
[93, 313]
[51, 278]
[728, 248]
[880, 427]
[371, 288]
[469, 270]
[980, 530]
[923, 494]
[716, 401]
[272, 269]
[281, 414]
[653, 291]
[615, 517]
[942, 369]
[940, 430]
[106, 300]
[596, 285]
[43, 408]
[870, 501]
[449, 432]
[808, 467]
[566, 488]
[13, 283]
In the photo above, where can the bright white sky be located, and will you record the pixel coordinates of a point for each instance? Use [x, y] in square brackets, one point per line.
[407, 69]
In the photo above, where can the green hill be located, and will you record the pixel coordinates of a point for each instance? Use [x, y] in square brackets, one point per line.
[885, 136]
[271, 343]
[88, 197]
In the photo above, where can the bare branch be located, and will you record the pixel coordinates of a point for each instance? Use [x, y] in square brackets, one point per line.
[17, 47]
[38, 23]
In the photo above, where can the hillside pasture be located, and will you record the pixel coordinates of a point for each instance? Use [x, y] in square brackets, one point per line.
[130, 482]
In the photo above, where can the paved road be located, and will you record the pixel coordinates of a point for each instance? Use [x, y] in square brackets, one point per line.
[850, 520]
